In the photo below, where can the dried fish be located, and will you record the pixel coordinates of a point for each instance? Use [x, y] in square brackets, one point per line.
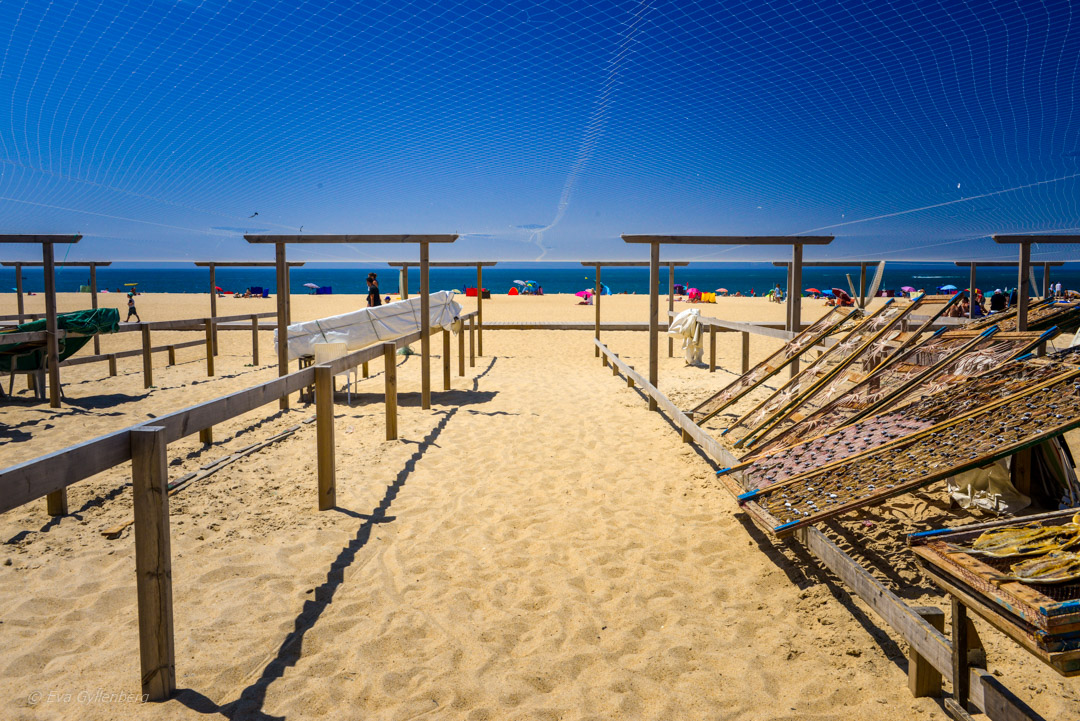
[1057, 567]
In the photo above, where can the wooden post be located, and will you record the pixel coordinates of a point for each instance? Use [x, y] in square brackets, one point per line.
[254, 340]
[390, 376]
[479, 310]
[324, 433]
[153, 563]
[461, 350]
[112, 364]
[56, 503]
[787, 307]
[53, 343]
[1021, 471]
[364, 369]
[172, 355]
[596, 301]
[94, 303]
[472, 341]
[209, 323]
[961, 673]
[1022, 286]
[923, 678]
[670, 306]
[425, 329]
[404, 290]
[795, 297]
[282, 318]
[712, 348]
[147, 361]
[654, 313]
[18, 290]
[1046, 281]
[971, 291]
[446, 359]
[862, 286]
[213, 305]
[745, 352]
[206, 436]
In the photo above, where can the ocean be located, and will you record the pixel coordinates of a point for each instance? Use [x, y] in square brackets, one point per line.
[553, 277]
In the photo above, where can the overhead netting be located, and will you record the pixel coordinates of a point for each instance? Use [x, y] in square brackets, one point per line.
[910, 129]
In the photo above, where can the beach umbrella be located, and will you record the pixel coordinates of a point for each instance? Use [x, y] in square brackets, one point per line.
[827, 292]
[947, 287]
[217, 288]
[307, 285]
[812, 290]
[519, 282]
[584, 293]
[721, 290]
[907, 289]
[841, 294]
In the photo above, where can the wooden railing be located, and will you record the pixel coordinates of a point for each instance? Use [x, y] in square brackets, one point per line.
[146, 445]
[930, 657]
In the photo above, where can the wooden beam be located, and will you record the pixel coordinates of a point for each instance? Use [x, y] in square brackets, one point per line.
[324, 435]
[153, 561]
[425, 329]
[406, 264]
[94, 300]
[730, 239]
[472, 342]
[671, 305]
[310, 239]
[1023, 287]
[923, 679]
[112, 364]
[245, 264]
[712, 349]
[461, 350]
[53, 343]
[19, 288]
[282, 319]
[172, 354]
[404, 289]
[390, 376]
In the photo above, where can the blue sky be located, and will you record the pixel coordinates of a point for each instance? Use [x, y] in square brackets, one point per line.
[909, 129]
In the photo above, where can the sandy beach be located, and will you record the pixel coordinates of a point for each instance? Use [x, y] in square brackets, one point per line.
[538, 545]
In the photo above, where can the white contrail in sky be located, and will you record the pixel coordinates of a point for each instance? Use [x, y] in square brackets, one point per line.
[594, 127]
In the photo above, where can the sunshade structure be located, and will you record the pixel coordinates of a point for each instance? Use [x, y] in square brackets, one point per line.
[1024, 266]
[598, 264]
[972, 265]
[213, 265]
[93, 265]
[862, 265]
[655, 241]
[280, 242]
[479, 264]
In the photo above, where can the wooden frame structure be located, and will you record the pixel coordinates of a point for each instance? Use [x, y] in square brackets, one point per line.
[48, 263]
[145, 445]
[973, 264]
[1025, 242]
[213, 265]
[862, 265]
[598, 264]
[479, 264]
[931, 652]
[281, 241]
[655, 241]
[93, 265]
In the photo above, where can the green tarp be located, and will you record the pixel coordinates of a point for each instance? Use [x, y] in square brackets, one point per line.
[80, 325]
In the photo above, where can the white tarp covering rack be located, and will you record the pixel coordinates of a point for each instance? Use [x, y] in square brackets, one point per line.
[367, 326]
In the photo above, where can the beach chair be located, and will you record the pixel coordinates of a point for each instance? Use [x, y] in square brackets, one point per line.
[325, 352]
[266, 293]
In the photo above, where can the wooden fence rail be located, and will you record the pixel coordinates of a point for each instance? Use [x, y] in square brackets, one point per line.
[927, 642]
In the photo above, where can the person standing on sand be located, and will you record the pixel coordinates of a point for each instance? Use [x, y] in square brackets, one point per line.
[373, 299]
[131, 309]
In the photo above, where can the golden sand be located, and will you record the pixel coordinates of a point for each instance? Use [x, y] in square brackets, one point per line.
[538, 545]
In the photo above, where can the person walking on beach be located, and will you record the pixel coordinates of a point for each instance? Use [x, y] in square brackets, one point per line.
[373, 299]
[131, 309]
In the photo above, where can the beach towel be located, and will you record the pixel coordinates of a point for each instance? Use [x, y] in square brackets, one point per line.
[687, 325]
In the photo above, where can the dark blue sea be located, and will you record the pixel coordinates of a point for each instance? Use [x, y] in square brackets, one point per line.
[553, 277]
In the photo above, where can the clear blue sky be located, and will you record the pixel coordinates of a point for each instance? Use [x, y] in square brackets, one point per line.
[909, 129]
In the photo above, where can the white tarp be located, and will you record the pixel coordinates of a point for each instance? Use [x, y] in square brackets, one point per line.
[687, 326]
[364, 327]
